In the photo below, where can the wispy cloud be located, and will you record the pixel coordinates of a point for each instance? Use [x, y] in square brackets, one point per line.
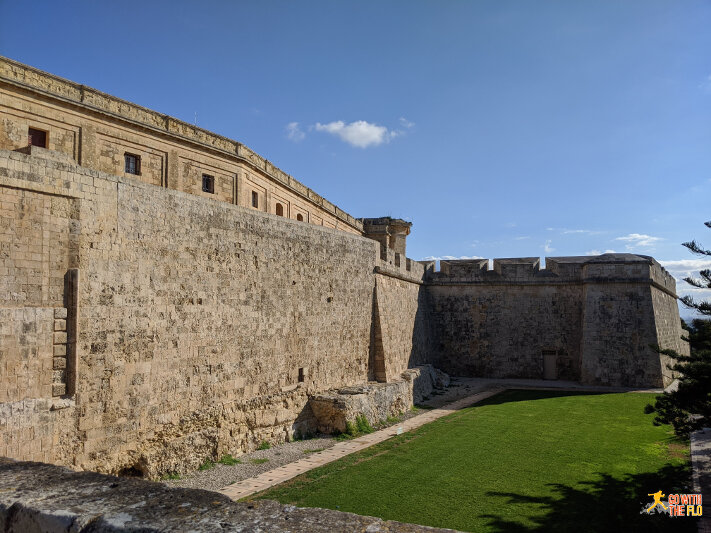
[686, 264]
[688, 268]
[580, 231]
[522, 238]
[360, 133]
[406, 123]
[568, 231]
[598, 252]
[705, 85]
[547, 247]
[451, 257]
[294, 132]
[637, 240]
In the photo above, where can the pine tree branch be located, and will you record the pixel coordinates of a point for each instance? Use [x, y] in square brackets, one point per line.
[696, 248]
[695, 283]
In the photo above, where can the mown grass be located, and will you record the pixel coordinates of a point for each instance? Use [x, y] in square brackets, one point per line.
[520, 461]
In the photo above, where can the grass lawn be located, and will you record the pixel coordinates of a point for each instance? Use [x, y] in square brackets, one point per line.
[519, 461]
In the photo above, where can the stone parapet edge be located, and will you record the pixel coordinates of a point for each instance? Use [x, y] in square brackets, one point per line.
[241, 153]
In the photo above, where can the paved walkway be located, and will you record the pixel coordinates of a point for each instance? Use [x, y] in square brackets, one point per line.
[263, 481]
[701, 463]
[486, 388]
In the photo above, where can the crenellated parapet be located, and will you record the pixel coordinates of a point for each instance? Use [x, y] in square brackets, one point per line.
[606, 268]
[395, 264]
[593, 319]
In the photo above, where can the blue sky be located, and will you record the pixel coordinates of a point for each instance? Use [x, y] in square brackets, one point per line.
[499, 128]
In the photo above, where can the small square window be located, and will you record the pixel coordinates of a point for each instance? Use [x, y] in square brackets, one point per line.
[255, 199]
[208, 183]
[132, 164]
[37, 137]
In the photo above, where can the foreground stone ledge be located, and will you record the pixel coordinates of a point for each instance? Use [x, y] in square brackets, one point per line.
[41, 497]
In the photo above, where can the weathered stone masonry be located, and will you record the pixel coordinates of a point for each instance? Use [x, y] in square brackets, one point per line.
[591, 319]
[148, 328]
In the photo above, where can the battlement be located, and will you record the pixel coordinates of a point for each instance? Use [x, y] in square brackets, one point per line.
[396, 264]
[604, 268]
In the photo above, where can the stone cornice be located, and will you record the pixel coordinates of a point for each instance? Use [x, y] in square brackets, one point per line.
[49, 85]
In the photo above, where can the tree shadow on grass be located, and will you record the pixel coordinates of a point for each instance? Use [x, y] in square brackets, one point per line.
[527, 395]
[606, 505]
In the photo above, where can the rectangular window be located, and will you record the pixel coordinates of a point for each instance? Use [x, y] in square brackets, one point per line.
[208, 183]
[255, 199]
[132, 164]
[37, 138]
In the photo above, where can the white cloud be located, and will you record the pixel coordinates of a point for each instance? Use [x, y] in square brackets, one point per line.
[522, 238]
[451, 257]
[360, 133]
[406, 123]
[688, 268]
[686, 264]
[293, 132]
[598, 252]
[547, 247]
[637, 240]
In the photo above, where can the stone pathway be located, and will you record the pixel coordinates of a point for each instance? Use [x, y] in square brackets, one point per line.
[701, 462]
[266, 480]
[485, 387]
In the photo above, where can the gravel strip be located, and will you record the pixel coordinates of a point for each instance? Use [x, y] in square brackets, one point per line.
[222, 475]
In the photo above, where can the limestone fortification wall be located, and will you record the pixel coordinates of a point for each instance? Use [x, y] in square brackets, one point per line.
[595, 317]
[146, 326]
[96, 130]
[202, 326]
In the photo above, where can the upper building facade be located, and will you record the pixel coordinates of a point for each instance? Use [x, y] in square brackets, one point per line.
[105, 133]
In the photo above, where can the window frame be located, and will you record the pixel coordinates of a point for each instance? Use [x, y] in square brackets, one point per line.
[209, 180]
[255, 199]
[136, 158]
[38, 130]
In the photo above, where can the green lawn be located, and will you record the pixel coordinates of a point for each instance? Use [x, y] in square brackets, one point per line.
[519, 461]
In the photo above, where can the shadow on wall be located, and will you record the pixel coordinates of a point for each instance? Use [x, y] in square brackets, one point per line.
[422, 352]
